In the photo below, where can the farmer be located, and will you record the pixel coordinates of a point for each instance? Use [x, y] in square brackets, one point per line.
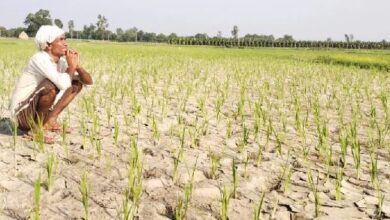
[50, 81]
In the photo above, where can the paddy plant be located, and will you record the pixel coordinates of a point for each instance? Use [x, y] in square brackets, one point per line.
[183, 202]
[116, 131]
[339, 179]
[214, 164]
[343, 139]
[85, 191]
[127, 208]
[38, 134]
[234, 178]
[286, 174]
[355, 147]
[225, 199]
[314, 189]
[36, 212]
[258, 207]
[51, 167]
[374, 170]
[135, 177]
[64, 135]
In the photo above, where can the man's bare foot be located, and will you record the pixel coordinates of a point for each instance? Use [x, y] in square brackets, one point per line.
[54, 126]
[33, 137]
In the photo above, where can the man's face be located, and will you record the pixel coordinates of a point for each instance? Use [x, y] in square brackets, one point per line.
[58, 47]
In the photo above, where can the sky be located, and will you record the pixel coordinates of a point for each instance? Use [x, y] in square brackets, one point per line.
[304, 19]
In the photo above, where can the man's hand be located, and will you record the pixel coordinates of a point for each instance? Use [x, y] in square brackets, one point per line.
[72, 58]
[84, 76]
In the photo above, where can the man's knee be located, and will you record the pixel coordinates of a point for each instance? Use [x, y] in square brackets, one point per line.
[76, 86]
[48, 88]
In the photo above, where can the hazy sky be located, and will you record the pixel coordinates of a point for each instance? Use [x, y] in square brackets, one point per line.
[304, 19]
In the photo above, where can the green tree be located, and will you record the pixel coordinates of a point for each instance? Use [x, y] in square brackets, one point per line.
[102, 25]
[34, 21]
[131, 34]
[3, 32]
[346, 37]
[71, 27]
[286, 38]
[89, 31]
[201, 36]
[58, 23]
[140, 35]
[119, 34]
[219, 34]
[161, 38]
[235, 32]
[149, 37]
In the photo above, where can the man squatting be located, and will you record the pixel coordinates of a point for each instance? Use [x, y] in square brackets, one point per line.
[50, 81]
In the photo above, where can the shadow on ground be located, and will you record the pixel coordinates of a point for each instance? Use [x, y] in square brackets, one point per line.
[6, 127]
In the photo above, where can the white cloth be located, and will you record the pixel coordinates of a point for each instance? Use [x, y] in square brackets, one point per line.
[47, 34]
[41, 66]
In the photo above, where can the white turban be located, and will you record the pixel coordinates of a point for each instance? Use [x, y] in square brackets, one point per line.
[47, 34]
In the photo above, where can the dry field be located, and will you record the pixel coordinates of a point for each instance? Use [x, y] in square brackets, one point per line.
[171, 132]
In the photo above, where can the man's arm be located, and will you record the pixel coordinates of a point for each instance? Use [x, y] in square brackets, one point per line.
[71, 71]
[84, 76]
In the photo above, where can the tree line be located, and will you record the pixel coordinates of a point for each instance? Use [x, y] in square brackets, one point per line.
[99, 31]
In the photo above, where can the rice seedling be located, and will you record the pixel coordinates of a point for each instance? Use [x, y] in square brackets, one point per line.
[269, 131]
[339, 179]
[85, 191]
[83, 129]
[201, 104]
[245, 138]
[214, 164]
[38, 134]
[314, 188]
[258, 207]
[14, 130]
[176, 162]
[286, 174]
[218, 105]
[225, 197]
[343, 139]
[275, 208]
[155, 131]
[204, 128]
[109, 114]
[256, 125]
[179, 157]
[355, 147]
[135, 178]
[36, 212]
[234, 178]
[374, 171]
[65, 125]
[183, 203]
[51, 167]
[98, 146]
[241, 102]
[194, 137]
[136, 107]
[246, 162]
[379, 211]
[279, 136]
[127, 209]
[116, 131]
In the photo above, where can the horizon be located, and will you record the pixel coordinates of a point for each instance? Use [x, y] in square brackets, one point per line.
[303, 19]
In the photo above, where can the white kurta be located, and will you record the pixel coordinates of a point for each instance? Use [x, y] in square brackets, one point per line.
[41, 66]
